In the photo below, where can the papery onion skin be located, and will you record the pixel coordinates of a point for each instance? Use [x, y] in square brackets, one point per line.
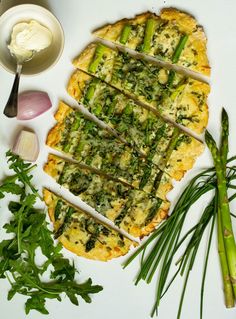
[27, 146]
[32, 104]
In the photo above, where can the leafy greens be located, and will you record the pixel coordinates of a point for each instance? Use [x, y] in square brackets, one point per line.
[30, 232]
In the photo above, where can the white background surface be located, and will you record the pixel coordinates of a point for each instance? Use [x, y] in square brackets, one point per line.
[120, 298]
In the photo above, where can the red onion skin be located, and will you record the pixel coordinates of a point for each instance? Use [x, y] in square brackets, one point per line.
[32, 104]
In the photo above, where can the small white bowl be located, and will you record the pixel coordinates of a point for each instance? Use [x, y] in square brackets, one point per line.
[42, 60]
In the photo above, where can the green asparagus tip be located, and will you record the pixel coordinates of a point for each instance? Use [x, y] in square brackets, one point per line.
[209, 139]
[225, 120]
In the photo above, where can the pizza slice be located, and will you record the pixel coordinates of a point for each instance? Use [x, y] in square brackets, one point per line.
[174, 36]
[134, 211]
[83, 234]
[173, 95]
[92, 145]
[161, 142]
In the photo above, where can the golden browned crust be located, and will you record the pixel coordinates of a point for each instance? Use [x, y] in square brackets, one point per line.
[183, 158]
[75, 238]
[137, 231]
[165, 186]
[111, 32]
[55, 134]
[77, 83]
[84, 59]
[54, 166]
[186, 22]
[48, 199]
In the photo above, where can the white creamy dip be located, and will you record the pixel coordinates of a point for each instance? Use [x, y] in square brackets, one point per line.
[28, 38]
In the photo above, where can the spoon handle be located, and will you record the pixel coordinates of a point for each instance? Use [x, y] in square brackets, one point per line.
[11, 106]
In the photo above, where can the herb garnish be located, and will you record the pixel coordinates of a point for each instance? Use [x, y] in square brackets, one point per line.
[29, 233]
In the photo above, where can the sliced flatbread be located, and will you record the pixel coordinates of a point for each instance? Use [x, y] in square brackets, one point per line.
[92, 145]
[171, 150]
[177, 97]
[162, 37]
[135, 211]
[83, 234]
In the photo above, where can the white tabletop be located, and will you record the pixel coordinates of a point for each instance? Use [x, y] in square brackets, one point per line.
[120, 298]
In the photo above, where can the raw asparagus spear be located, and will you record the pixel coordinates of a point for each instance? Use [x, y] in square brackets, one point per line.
[219, 158]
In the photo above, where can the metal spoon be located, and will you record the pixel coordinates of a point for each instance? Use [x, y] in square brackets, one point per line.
[10, 109]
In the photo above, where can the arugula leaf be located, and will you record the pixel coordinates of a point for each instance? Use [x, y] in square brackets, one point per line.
[36, 302]
[30, 232]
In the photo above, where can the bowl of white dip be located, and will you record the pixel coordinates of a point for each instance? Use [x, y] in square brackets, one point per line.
[30, 29]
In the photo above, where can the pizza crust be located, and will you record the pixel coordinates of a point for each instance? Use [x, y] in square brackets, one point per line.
[112, 32]
[55, 134]
[77, 84]
[183, 158]
[84, 59]
[54, 166]
[160, 216]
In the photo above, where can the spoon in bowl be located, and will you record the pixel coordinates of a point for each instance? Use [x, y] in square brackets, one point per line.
[10, 109]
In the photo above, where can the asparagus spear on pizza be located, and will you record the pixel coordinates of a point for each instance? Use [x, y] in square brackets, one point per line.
[171, 149]
[173, 95]
[174, 36]
[92, 145]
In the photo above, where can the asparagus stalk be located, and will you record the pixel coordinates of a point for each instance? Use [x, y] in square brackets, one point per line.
[179, 48]
[74, 127]
[149, 32]
[125, 34]
[224, 210]
[90, 91]
[228, 291]
[175, 58]
[100, 50]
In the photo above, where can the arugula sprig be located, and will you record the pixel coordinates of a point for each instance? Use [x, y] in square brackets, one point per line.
[30, 233]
